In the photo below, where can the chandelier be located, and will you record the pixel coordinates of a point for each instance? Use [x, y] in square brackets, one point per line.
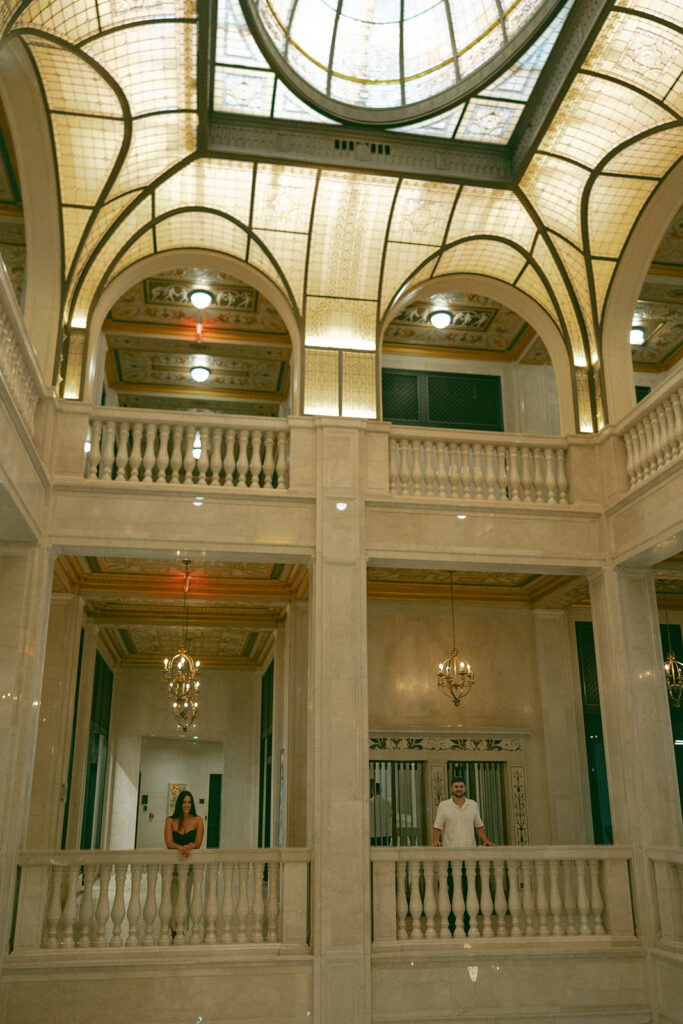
[673, 673]
[181, 672]
[455, 675]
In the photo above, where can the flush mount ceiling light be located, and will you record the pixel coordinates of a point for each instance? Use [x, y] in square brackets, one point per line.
[200, 374]
[201, 298]
[440, 318]
[637, 336]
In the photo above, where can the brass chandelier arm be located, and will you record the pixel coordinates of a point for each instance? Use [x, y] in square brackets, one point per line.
[455, 676]
[181, 672]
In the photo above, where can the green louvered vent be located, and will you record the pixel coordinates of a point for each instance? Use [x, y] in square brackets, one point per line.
[465, 401]
[400, 396]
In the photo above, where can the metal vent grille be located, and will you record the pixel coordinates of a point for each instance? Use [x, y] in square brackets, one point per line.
[400, 399]
[363, 150]
[467, 400]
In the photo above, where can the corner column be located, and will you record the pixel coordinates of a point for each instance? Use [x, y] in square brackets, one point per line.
[338, 744]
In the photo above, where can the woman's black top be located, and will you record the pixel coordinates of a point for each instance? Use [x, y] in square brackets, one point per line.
[184, 838]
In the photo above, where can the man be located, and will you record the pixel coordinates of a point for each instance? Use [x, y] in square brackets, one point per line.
[458, 819]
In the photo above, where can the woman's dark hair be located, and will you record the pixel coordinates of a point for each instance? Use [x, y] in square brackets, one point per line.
[178, 809]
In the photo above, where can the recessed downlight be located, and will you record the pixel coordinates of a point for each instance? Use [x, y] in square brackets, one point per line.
[201, 298]
[200, 374]
[440, 318]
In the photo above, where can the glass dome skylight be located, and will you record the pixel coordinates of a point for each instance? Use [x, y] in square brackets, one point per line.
[391, 61]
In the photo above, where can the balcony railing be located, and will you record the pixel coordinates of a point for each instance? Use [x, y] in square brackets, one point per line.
[653, 432]
[502, 894]
[75, 900]
[203, 451]
[667, 874]
[424, 463]
[19, 370]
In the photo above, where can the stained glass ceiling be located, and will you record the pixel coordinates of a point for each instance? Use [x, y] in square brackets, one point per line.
[385, 62]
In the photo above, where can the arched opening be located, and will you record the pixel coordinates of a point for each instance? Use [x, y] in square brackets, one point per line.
[499, 348]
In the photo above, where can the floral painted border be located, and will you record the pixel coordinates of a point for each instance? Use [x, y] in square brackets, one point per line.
[485, 743]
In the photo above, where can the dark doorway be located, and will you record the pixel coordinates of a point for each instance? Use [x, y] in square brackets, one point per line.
[213, 824]
[266, 757]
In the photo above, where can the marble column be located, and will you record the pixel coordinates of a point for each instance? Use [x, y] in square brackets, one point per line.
[338, 742]
[26, 574]
[82, 735]
[566, 765]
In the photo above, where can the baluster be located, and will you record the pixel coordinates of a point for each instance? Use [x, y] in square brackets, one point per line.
[525, 455]
[429, 900]
[549, 455]
[538, 475]
[528, 898]
[87, 910]
[403, 473]
[486, 900]
[95, 454]
[472, 903]
[281, 463]
[197, 906]
[562, 481]
[118, 909]
[429, 468]
[597, 903]
[203, 461]
[394, 456]
[122, 453]
[677, 406]
[650, 459]
[458, 902]
[401, 902]
[242, 902]
[514, 905]
[136, 452]
[134, 905]
[490, 471]
[443, 899]
[555, 898]
[500, 905]
[417, 475]
[149, 458]
[268, 460]
[165, 905]
[242, 460]
[54, 910]
[149, 911]
[181, 906]
[541, 898]
[630, 457]
[187, 473]
[273, 907]
[176, 452]
[441, 468]
[69, 911]
[670, 431]
[477, 475]
[211, 912]
[258, 906]
[568, 897]
[657, 439]
[642, 451]
[453, 473]
[664, 437]
[255, 460]
[230, 458]
[582, 898]
[502, 472]
[466, 455]
[162, 455]
[514, 477]
[415, 902]
[102, 908]
[216, 455]
[227, 907]
[107, 460]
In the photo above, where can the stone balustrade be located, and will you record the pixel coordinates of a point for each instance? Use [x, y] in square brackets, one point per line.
[456, 464]
[204, 452]
[75, 900]
[653, 433]
[667, 873]
[19, 371]
[505, 893]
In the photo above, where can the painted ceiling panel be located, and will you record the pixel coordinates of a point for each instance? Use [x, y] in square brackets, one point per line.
[653, 155]
[483, 256]
[217, 184]
[602, 276]
[143, 246]
[203, 231]
[259, 259]
[548, 265]
[344, 323]
[87, 149]
[289, 250]
[638, 51]
[106, 216]
[283, 197]
[669, 10]
[72, 21]
[158, 143]
[555, 188]
[575, 265]
[613, 207]
[491, 212]
[400, 260]
[421, 212]
[71, 83]
[531, 283]
[74, 219]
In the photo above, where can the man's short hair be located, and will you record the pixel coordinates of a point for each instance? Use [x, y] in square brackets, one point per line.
[458, 778]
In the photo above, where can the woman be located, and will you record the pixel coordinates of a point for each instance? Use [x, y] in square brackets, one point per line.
[184, 830]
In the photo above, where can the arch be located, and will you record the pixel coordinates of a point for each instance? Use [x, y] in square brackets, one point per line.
[23, 102]
[626, 286]
[169, 260]
[519, 303]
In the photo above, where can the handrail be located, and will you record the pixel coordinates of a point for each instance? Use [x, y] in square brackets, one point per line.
[653, 431]
[19, 368]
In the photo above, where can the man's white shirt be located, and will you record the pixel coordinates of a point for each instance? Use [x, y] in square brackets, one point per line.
[457, 824]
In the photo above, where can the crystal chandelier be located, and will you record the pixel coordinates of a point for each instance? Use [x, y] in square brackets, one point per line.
[455, 675]
[673, 673]
[181, 672]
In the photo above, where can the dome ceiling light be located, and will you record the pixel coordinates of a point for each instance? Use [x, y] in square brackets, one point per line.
[200, 374]
[637, 336]
[201, 298]
[440, 318]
